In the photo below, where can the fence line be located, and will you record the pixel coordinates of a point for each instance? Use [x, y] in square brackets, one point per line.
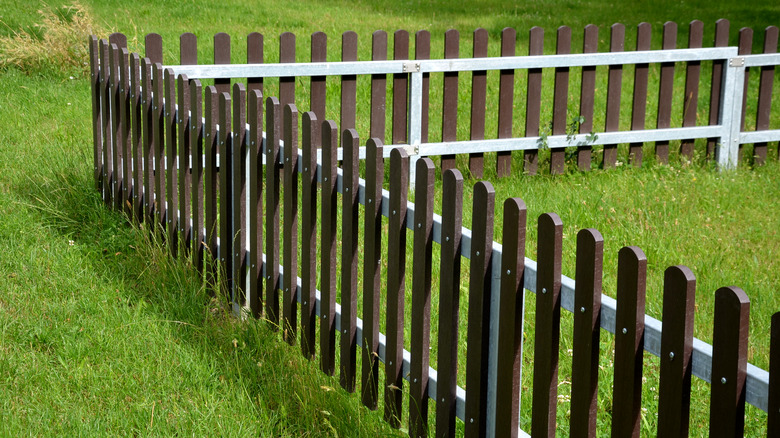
[150, 120]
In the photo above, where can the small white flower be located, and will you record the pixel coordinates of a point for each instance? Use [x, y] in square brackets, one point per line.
[68, 103]
[71, 243]
[72, 78]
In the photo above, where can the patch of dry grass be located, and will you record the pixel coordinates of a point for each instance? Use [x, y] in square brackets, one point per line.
[57, 43]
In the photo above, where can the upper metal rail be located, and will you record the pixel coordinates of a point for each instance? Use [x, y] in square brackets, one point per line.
[450, 65]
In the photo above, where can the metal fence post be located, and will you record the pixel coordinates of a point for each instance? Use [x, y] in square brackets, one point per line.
[415, 116]
[731, 113]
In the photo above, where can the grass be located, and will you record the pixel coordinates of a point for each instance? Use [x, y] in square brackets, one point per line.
[108, 335]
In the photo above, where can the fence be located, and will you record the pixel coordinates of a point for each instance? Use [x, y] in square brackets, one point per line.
[210, 167]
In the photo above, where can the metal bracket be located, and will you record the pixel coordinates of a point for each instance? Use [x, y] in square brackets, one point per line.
[411, 67]
[412, 149]
[736, 62]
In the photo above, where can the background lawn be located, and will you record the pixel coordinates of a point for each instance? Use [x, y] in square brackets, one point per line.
[102, 333]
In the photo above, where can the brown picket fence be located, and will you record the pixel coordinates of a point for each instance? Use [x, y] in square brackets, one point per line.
[209, 166]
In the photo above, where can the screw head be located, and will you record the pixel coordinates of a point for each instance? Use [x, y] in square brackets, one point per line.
[419, 225]
[625, 330]
[723, 380]
[448, 238]
[508, 272]
[582, 310]
[471, 420]
[544, 290]
[394, 212]
[671, 355]
[345, 331]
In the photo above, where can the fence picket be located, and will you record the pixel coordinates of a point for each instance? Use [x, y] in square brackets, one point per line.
[422, 50]
[378, 87]
[665, 92]
[319, 53]
[773, 404]
[478, 101]
[617, 41]
[158, 129]
[745, 47]
[533, 105]
[480, 280]
[349, 258]
[691, 99]
[348, 83]
[639, 104]
[97, 120]
[286, 85]
[197, 150]
[421, 297]
[587, 95]
[449, 113]
[449, 302]
[170, 167]
[674, 389]
[510, 319]
[254, 55]
[222, 56]
[328, 276]
[629, 342]
[372, 257]
[255, 191]
[116, 126]
[272, 169]
[560, 100]
[147, 110]
[310, 142]
[184, 168]
[153, 48]
[548, 330]
[506, 98]
[729, 362]
[396, 286]
[587, 331]
[764, 106]
[188, 49]
[225, 204]
[136, 116]
[125, 130]
[237, 152]
[290, 245]
[400, 88]
[721, 40]
[210, 177]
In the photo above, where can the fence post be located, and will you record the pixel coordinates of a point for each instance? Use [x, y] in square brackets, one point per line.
[729, 362]
[210, 183]
[478, 99]
[716, 85]
[665, 90]
[137, 145]
[727, 151]
[197, 150]
[415, 122]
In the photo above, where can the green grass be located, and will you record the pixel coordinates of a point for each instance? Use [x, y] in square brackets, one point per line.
[107, 335]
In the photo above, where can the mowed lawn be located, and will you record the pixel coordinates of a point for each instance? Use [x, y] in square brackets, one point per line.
[101, 333]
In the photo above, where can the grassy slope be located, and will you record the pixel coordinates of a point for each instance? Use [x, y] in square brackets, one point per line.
[107, 335]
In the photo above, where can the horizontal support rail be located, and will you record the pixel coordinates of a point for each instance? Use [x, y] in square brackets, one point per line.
[762, 60]
[450, 65]
[759, 136]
